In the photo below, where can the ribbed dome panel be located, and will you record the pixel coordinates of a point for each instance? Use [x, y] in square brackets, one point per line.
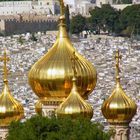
[10, 109]
[51, 75]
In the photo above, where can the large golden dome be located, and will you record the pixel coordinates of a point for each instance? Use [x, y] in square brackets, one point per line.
[74, 105]
[10, 109]
[118, 108]
[51, 75]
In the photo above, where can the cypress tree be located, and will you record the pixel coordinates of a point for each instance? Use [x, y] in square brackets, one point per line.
[67, 17]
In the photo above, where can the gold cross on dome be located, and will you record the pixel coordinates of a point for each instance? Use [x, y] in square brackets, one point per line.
[5, 59]
[117, 57]
[73, 59]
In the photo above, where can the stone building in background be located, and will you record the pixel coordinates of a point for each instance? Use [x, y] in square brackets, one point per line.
[51, 7]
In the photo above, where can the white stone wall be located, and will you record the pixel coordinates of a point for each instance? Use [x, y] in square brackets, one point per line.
[85, 7]
[3, 133]
[48, 7]
[15, 7]
[72, 5]
[2, 25]
[29, 7]
[79, 6]
[120, 6]
[136, 1]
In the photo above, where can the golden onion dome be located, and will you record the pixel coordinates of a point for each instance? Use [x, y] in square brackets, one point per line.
[10, 109]
[74, 105]
[51, 75]
[118, 108]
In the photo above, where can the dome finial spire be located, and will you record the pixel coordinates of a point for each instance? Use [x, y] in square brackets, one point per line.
[118, 108]
[61, 7]
[10, 109]
[118, 57]
[5, 59]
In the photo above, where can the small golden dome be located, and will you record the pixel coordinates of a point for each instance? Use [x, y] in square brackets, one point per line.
[51, 75]
[74, 105]
[10, 109]
[118, 108]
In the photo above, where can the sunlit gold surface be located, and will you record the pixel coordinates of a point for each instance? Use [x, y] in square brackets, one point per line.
[51, 75]
[118, 107]
[74, 105]
[10, 109]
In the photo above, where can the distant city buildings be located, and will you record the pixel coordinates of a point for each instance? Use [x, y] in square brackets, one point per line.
[51, 7]
[40, 7]
[80, 6]
[42, 15]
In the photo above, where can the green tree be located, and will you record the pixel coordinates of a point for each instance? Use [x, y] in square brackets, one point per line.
[78, 23]
[67, 17]
[95, 20]
[41, 128]
[130, 19]
[104, 18]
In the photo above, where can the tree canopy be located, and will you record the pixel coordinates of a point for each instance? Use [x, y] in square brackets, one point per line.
[67, 17]
[107, 18]
[41, 128]
[78, 23]
[130, 19]
[104, 18]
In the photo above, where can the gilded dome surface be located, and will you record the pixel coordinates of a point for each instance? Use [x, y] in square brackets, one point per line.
[74, 105]
[118, 108]
[51, 75]
[10, 109]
